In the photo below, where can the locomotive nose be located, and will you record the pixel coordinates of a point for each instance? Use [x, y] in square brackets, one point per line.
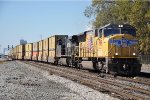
[123, 46]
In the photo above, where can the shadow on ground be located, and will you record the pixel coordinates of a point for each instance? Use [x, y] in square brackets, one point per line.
[144, 74]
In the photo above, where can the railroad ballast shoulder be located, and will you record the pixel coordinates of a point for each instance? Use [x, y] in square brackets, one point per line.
[111, 48]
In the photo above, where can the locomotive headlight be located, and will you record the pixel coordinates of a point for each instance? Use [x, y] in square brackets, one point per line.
[134, 54]
[120, 25]
[116, 54]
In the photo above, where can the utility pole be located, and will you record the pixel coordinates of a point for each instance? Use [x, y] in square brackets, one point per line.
[41, 36]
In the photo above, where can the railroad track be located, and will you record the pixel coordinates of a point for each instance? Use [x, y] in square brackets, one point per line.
[145, 76]
[113, 88]
[137, 80]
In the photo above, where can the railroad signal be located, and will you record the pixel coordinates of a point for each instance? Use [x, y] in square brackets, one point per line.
[8, 47]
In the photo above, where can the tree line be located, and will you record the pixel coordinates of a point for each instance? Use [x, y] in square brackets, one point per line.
[134, 12]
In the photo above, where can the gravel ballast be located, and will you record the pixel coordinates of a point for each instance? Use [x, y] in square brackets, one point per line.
[145, 68]
[19, 81]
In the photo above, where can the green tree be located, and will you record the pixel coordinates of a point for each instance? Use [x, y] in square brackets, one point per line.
[134, 12]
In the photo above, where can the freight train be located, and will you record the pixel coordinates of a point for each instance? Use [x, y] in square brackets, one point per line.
[111, 48]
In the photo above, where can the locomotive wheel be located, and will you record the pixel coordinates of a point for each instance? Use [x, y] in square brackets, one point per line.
[95, 65]
[125, 69]
[78, 65]
[55, 62]
[99, 66]
[136, 71]
[69, 62]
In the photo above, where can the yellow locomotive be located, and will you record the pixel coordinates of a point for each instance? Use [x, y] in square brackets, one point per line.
[112, 47]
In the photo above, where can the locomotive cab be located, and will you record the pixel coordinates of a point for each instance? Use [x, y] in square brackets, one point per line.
[119, 47]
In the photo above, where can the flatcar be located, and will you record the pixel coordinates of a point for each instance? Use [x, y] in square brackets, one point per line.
[111, 48]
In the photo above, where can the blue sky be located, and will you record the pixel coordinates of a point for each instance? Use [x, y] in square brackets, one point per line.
[31, 19]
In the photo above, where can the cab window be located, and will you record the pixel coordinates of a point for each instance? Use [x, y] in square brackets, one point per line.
[128, 31]
[111, 31]
[100, 33]
[96, 32]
